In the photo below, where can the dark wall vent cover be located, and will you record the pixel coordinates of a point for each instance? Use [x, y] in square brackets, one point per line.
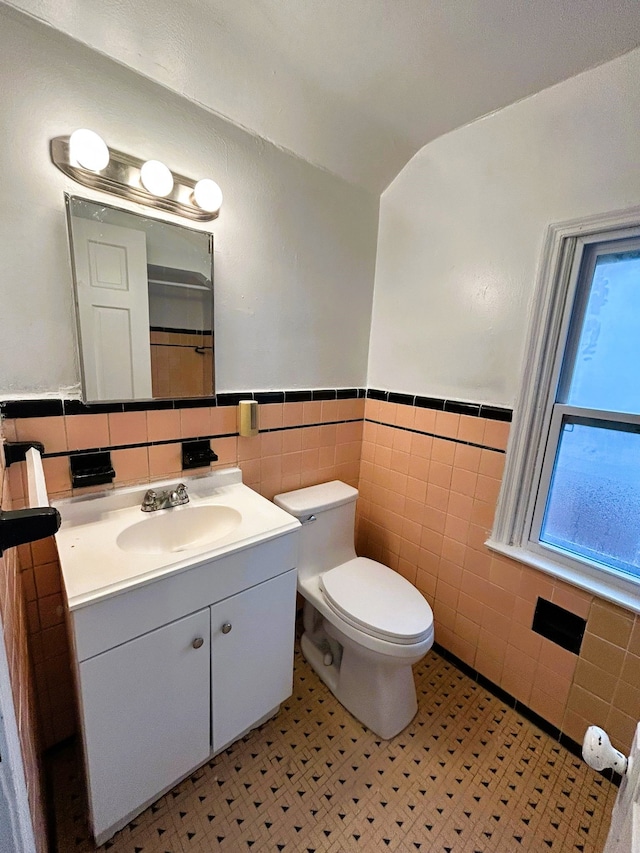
[559, 625]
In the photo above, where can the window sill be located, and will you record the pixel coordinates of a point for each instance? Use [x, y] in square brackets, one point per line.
[610, 587]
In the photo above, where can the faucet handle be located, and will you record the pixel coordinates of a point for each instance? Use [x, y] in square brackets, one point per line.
[149, 501]
[180, 495]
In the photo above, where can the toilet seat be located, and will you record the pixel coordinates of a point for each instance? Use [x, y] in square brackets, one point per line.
[378, 601]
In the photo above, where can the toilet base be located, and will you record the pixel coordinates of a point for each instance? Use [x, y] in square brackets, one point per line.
[380, 694]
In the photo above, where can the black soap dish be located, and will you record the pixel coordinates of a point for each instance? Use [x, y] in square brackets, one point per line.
[197, 454]
[91, 469]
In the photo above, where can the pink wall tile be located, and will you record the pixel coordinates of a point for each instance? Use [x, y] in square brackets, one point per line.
[249, 448]
[491, 464]
[226, 450]
[271, 443]
[271, 415]
[127, 427]
[194, 422]
[405, 416]
[425, 420]
[164, 460]
[471, 429]
[330, 410]
[131, 465]
[57, 475]
[163, 424]
[87, 431]
[447, 424]
[292, 414]
[496, 434]
[310, 438]
[312, 412]
[50, 431]
[223, 420]
[292, 440]
[467, 457]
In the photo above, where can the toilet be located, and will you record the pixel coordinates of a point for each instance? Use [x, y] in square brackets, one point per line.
[364, 624]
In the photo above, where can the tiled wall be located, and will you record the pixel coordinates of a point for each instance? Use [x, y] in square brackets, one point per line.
[181, 363]
[12, 610]
[429, 482]
[302, 442]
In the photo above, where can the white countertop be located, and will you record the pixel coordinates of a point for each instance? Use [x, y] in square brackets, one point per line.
[95, 568]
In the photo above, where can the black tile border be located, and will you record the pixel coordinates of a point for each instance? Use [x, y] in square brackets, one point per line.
[436, 435]
[298, 396]
[56, 407]
[456, 407]
[34, 408]
[544, 725]
[31, 408]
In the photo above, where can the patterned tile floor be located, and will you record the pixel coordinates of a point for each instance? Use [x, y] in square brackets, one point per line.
[469, 775]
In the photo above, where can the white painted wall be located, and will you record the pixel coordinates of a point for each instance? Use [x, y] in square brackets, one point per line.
[462, 227]
[294, 245]
[359, 86]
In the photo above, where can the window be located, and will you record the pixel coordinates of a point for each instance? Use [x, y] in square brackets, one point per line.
[570, 502]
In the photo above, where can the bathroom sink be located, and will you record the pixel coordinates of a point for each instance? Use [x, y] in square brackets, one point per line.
[179, 529]
[107, 546]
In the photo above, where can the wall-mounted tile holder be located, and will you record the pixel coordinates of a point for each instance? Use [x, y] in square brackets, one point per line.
[91, 469]
[197, 454]
[559, 625]
[16, 451]
[19, 526]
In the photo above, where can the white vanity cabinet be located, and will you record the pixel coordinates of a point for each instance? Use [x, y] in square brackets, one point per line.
[145, 714]
[251, 656]
[172, 671]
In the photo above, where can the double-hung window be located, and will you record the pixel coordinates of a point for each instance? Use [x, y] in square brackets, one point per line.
[570, 503]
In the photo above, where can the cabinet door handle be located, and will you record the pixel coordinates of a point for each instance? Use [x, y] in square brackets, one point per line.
[197, 643]
[226, 627]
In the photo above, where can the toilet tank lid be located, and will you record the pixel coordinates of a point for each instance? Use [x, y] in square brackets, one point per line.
[304, 502]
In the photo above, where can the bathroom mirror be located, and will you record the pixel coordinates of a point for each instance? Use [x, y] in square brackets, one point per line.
[144, 304]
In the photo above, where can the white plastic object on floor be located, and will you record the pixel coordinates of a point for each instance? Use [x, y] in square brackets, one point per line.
[598, 752]
[624, 832]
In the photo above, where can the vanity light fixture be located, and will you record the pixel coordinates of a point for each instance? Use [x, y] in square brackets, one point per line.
[85, 157]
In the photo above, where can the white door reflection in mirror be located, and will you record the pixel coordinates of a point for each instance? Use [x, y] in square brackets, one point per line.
[113, 308]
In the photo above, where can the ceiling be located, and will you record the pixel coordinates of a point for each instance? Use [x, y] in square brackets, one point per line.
[354, 86]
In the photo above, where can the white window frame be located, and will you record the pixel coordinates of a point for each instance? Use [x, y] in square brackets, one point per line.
[549, 327]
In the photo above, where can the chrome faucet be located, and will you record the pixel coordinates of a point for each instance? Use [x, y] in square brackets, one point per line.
[153, 500]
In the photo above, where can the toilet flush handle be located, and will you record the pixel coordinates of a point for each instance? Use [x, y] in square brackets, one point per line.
[308, 520]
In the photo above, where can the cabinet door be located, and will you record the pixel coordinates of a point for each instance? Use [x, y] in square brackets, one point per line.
[146, 715]
[252, 661]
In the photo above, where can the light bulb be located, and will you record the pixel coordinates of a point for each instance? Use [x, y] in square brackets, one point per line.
[88, 150]
[156, 178]
[208, 195]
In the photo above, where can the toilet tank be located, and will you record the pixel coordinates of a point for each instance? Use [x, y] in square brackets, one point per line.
[329, 540]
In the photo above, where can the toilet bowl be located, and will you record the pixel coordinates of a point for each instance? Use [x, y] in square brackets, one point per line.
[364, 624]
